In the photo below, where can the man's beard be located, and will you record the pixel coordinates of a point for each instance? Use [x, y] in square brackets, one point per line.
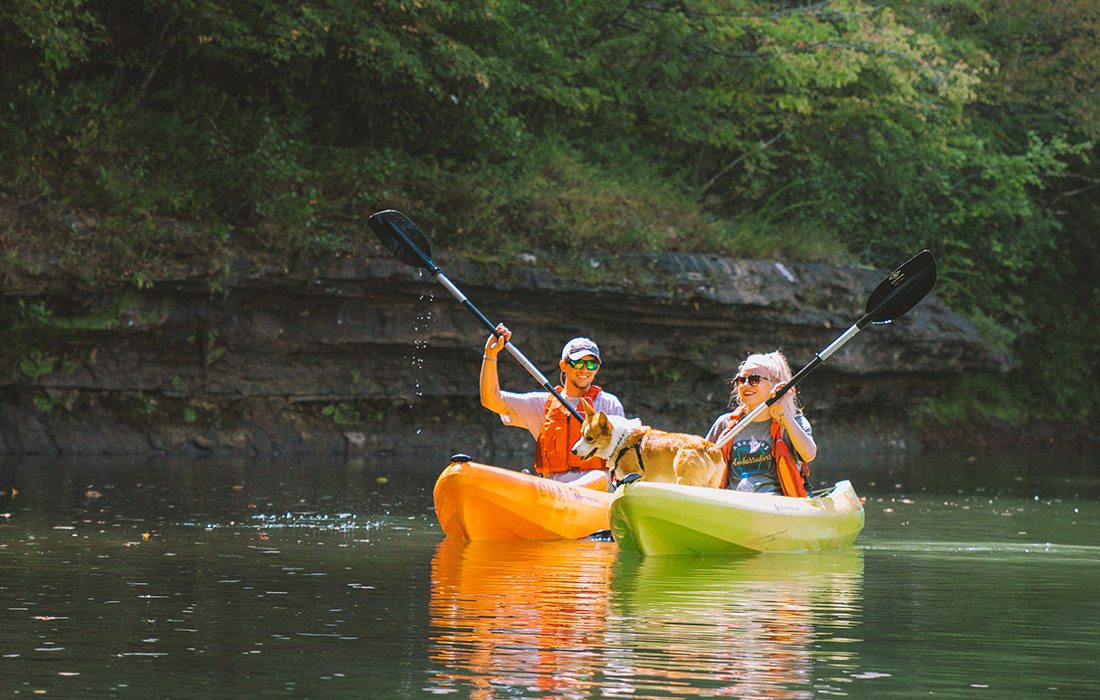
[582, 387]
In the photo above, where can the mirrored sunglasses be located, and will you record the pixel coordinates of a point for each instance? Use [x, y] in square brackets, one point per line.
[591, 365]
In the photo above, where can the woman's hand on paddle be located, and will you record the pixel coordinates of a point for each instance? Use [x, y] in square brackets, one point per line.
[802, 442]
[495, 343]
[784, 406]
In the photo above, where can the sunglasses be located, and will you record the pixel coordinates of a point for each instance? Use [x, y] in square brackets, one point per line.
[591, 365]
[751, 380]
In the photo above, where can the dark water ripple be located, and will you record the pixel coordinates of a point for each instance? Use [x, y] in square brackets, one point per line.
[332, 580]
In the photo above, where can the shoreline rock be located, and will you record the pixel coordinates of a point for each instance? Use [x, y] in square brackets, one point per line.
[363, 354]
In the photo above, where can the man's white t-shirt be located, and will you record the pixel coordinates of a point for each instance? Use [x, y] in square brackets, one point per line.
[528, 410]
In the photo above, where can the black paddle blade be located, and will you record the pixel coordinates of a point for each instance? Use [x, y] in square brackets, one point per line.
[902, 289]
[402, 237]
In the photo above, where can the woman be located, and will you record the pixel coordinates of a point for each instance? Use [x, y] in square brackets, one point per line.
[770, 454]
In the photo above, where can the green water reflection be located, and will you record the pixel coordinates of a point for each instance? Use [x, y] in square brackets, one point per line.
[331, 579]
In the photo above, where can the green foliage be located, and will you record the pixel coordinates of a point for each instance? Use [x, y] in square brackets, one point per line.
[36, 364]
[668, 375]
[342, 414]
[44, 403]
[211, 351]
[144, 404]
[1023, 257]
[33, 311]
[974, 400]
[837, 130]
[41, 39]
[36, 318]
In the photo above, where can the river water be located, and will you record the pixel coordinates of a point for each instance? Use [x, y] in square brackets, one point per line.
[318, 578]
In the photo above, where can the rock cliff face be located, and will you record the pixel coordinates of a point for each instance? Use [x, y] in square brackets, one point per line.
[365, 354]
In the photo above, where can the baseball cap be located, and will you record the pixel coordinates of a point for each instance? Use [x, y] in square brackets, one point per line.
[577, 348]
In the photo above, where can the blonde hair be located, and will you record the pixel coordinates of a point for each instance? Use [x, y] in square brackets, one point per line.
[778, 367]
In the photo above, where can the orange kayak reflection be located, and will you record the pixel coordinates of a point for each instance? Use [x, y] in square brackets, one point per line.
[570, 619]
[515, 614]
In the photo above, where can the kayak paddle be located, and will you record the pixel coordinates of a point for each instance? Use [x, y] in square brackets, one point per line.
[900, 291]
[408, 244]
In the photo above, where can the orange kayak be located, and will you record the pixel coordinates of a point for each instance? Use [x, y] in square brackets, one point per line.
[480, 502]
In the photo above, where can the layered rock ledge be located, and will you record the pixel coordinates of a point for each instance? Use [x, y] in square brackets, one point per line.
[363, 354]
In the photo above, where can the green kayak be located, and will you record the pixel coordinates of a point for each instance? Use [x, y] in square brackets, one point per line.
[656, 519]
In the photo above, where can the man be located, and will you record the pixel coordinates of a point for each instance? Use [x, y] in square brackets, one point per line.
[553, 427]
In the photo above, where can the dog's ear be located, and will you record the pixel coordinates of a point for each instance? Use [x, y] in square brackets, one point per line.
[603, 423]
[586, 407]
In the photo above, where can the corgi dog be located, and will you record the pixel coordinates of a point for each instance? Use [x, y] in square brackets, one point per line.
[633, 448]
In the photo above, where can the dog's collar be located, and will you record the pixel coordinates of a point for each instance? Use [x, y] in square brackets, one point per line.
[637, 447]
[627, 432]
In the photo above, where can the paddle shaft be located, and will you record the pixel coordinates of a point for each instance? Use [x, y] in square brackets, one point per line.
[819, 358]
[438, 275]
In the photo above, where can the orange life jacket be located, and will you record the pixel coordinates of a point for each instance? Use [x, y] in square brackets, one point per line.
[792, 474]
[560, 431]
